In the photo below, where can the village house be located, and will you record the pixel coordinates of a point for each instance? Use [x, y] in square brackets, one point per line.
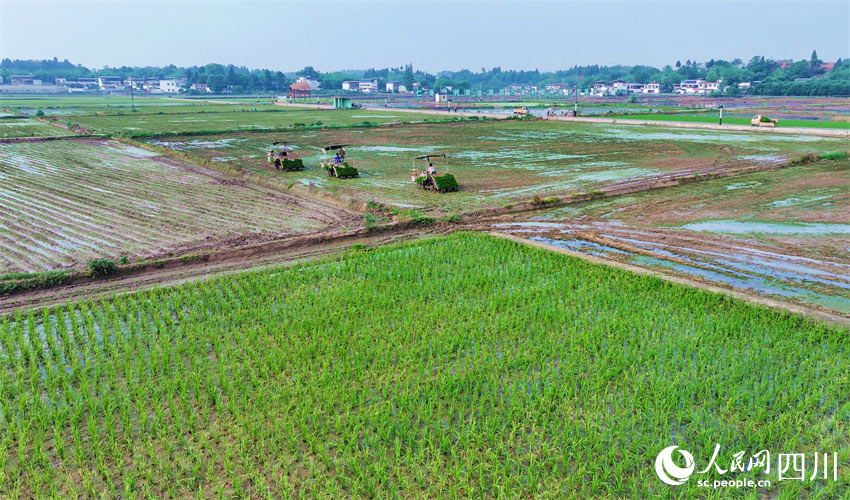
[22, 79]
[109, 83]
[635, 88]
[350, 85]
[368, 85]
[652, 88]
[697, 86]
[313, 83]
[600, 88]
[393, 86]
[172, 86]
[200, 87]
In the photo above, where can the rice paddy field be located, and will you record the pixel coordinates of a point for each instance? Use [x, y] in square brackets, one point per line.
[459, 365]
[64, 202]
[274, 118]
[24, 127]
[780, 233]
[733, 120]
[456, 367]
[499, 162]
[179, 107]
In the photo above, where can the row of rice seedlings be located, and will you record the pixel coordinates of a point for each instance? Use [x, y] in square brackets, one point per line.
[456, 367]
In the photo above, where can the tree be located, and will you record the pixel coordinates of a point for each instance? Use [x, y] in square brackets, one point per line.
[309, 72]
[815, 63]
[678, 64]
[216, 82]
[408, 77]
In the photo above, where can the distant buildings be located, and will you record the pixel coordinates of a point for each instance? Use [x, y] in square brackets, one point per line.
[313, 83]
[109, 83]
[23, 80]
[172, 86]
[368, 85]
[394, 86]
[299, 90]
[558, 88]
[697, 86]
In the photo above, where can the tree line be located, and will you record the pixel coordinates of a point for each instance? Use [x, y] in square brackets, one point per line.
[767, 77]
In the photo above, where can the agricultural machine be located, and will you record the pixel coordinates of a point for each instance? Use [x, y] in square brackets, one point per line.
[428, 179]
[338, 166]
[763, 121]
[523, 111]
[286, 159]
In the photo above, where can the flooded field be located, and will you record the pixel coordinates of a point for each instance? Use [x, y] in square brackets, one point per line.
[17, 127]
[502, 162]
[267, 118]
[106, 199]
[780, 233]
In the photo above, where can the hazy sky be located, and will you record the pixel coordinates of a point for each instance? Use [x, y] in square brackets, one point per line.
[287, 35]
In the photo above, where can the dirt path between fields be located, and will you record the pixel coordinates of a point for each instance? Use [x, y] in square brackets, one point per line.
[263, 256]
[250, 257]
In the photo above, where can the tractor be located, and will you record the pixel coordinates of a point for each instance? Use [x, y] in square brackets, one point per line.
[428, 179]
[523, 111]
[286, 159]
[338, 166]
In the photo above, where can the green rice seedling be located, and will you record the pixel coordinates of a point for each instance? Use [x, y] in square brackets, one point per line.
[460, 366]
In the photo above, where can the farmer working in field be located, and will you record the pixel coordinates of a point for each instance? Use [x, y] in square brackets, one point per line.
[284, 151]
[431, 169]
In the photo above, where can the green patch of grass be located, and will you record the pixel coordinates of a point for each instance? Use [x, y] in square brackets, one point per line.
[100, 267]
[16, 282]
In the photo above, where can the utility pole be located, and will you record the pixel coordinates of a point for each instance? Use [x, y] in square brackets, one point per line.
[575, 108]
[132, 100]
[721, 115]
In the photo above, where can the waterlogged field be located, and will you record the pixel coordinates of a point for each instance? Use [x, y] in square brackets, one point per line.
[63, 202]
[17, 127]
[279, 118]
[499, 162]
[457, 367]
[804, 208]
[781, 233]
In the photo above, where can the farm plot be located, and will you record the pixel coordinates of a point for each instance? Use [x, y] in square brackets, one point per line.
[150, 125]
[782, 233]
[734, 120]
[501, 162]
[179, 107]
[63, 202]
[467, 367]
[18, 127]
